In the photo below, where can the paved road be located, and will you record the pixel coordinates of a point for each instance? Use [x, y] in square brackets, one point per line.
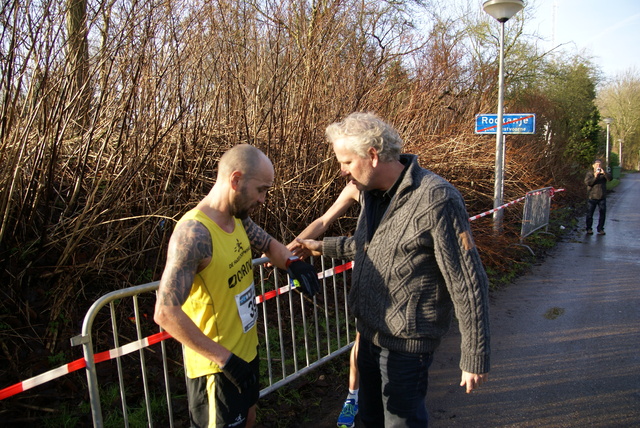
[565, 337]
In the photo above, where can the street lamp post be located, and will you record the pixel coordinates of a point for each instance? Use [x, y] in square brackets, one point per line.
[608, 121]
[502, 11]
[620, 152]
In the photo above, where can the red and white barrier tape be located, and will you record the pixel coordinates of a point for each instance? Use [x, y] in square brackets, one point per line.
[475, 217]
[158, 337]
[285, 289]
[336, 270]
[552, 192]
[135, 346]
[81, 363]
[271, 294]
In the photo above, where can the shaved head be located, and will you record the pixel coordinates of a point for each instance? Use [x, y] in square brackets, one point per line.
[244, 158]
[245, 175]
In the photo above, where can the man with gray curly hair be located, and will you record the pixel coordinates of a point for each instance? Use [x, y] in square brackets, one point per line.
[364, 131]
[415, 263]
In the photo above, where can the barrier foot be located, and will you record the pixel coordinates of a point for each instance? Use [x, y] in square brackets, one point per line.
[527, 247]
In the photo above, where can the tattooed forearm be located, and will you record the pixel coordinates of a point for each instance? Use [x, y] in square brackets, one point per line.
[259, 239]
[189, 246]
[174, 292]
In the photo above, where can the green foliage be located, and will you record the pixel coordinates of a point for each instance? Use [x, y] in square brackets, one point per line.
[571, 87]
[68, 416]
[281, 350]
[145, 276]
[59, 324]
[553, 313]
[136, 413]
[498, 279]
[26, 252]
[289, 396]
[82, 208]
[302, 401]
[619, 99]
[57, 359]
[561, 221]
[66, 419]
[542, 240]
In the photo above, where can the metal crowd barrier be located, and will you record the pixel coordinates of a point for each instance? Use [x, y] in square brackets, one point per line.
[296, 335]
[535, 214]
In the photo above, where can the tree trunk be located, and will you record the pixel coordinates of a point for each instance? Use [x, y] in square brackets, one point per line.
[78, 62]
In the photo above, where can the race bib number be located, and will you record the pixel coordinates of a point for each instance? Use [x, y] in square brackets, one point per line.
[247, 309]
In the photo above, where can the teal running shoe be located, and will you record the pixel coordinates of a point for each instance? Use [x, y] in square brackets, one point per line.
[348, 414]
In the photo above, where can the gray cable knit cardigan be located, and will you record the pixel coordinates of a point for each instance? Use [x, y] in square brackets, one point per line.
[419, 266]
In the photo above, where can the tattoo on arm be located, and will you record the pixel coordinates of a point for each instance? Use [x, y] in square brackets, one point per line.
[189, 245]
[259, 239]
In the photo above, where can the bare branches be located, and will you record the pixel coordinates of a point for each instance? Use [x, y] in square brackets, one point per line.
[171, 85]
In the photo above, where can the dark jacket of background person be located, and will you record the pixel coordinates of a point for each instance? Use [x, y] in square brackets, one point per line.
[420, 261]
[597, 184]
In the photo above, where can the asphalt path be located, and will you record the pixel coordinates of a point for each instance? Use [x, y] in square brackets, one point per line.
[565, 337]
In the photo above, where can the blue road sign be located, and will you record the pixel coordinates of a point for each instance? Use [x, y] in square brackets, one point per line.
[513, 123]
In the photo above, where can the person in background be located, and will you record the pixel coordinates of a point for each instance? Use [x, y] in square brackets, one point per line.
[415, 262]
[349, 195]
[206, 296]
[596, 181]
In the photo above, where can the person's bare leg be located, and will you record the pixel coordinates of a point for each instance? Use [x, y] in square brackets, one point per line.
[251, 417]
[354, 377]
[350, 407]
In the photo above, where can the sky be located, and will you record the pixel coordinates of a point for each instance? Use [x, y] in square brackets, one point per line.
[608, 30]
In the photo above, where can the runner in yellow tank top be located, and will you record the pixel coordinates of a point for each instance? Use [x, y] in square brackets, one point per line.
[206, 297]
[222, 299]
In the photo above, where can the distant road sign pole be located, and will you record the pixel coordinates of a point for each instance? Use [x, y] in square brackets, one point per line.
[501, 10]
[608, 121]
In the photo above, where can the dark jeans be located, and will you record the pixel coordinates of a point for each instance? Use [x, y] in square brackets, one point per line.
[602, 212]
[393, 387]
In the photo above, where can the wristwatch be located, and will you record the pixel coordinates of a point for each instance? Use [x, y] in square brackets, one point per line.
[291, 260]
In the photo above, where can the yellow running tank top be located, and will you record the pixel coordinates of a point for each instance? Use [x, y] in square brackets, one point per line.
[222, 299]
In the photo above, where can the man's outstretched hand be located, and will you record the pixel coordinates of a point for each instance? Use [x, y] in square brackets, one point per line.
[305, 274]
[472, 380]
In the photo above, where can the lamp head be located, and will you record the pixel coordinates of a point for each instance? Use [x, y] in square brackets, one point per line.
[503, 10]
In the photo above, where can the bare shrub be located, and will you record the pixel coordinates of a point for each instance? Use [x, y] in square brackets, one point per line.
[94, 175]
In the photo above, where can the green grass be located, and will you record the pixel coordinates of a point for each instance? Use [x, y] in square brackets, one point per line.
[68, 416]
[136, 412]
[561, 221]
[300, 402]
[553, 313]
[542, 240]
[498, 279]
[275, 351]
